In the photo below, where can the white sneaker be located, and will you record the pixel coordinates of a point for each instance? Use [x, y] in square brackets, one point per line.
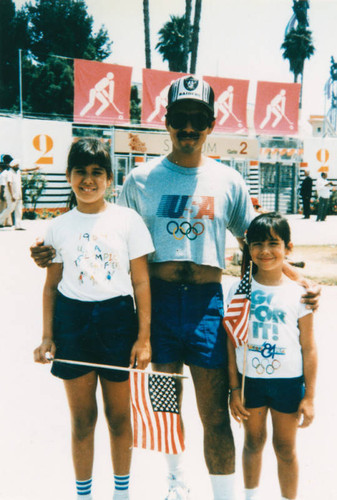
[178, 491]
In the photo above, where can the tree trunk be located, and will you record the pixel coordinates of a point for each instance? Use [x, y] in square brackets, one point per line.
[195, 35]
[188, 10]
[147, 33]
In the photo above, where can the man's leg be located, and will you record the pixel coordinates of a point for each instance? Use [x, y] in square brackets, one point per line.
[175, 463]
[18, 214]
[7, 212]
[325, 207]
[211, 388]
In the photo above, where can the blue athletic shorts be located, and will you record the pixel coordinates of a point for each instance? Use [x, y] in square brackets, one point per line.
[281, 394]
[186, 324]
[94, 332]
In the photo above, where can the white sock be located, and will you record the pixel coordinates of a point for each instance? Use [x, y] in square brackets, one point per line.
[175, 464]
[121, 495]
[251, 493]
[223, 486]
[284, 498]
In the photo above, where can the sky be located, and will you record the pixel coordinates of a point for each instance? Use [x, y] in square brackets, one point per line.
[238, 39]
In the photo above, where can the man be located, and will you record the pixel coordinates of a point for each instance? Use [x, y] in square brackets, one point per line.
[306, 190]
[323, 195]
[13, 193]
[188, 201]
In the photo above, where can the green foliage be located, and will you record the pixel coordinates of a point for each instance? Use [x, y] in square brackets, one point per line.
[46, 29]
[297, 47]
[171, 43]
[63, 27]
[13, 35]
[33, 186]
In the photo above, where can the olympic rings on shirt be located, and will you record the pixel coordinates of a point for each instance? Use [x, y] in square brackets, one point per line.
[185, 229]
[262, 367]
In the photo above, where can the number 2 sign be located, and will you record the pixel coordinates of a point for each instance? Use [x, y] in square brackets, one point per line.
[44, 145]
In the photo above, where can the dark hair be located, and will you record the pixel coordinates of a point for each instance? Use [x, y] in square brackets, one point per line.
[263, 225]
[261, 229]
[7, 159]
[88, 151]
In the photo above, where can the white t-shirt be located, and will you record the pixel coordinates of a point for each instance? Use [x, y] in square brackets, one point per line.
[95, 250]
[16, 184]
[5, 177]
[323, 188]
[274, 350]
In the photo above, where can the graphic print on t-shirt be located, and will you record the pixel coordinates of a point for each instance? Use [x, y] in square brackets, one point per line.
[94, 262]
[185, 207]
[265, 322]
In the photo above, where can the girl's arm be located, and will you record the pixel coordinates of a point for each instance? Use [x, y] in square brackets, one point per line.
[309, 354]
[54, 275]
[141, 350]
[237, 408]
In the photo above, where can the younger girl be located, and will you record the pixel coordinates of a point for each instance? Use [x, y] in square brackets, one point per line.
[88, 312]
[280, 363]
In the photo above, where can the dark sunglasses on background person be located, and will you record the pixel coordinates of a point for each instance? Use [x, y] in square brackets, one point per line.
[199, 121]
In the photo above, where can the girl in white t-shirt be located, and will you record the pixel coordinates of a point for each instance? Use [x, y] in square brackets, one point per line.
[88, 311]
[280, 361]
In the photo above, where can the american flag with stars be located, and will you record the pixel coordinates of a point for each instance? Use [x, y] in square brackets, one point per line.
[236, 318]
[155, 413]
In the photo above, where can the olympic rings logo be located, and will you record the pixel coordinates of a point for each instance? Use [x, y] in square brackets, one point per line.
[185, 229]
[263, 366]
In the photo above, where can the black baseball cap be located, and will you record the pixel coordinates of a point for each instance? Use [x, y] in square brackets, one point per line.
[191, 88]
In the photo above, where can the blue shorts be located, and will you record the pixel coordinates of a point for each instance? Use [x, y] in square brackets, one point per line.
[281, 394]
[187, 324]
[95, 332]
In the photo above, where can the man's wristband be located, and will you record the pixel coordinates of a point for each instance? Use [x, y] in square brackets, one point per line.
[234, 389]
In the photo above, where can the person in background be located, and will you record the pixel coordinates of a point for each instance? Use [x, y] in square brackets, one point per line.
[13, 193]
[305, 192]
[323, 194]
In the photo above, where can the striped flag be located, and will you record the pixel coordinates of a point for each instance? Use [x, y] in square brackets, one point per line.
[236, 317]
[155, 413]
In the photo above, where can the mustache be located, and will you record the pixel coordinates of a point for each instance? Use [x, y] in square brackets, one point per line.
[187, 135]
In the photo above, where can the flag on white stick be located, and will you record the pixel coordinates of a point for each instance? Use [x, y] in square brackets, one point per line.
[155, 412]
[236, 318]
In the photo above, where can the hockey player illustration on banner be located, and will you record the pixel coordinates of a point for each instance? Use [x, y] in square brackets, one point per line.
[276, 108]
[103, 92]
[224, 104]
[160, 103]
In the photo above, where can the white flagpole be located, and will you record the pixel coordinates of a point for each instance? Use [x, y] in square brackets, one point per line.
[246, 347]
[122, 368]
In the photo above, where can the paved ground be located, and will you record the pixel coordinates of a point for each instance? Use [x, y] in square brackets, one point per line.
[35, 459]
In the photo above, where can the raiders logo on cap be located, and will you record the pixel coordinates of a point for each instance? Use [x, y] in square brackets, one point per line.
[191, 88]
[190, 83]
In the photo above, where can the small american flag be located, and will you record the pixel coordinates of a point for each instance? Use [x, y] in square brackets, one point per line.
[155, 413]
[236, 318]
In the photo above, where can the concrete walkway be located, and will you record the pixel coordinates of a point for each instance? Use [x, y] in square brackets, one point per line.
[35, 457]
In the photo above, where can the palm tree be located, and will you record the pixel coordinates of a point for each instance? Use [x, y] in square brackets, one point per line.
[195, 35]
[187, 34]
[146, 12]
[171, 43]
[297, 48]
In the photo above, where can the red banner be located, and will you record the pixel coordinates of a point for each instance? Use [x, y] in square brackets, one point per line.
[230, 104]
[155, 89]
[101, 92]
[276, 108]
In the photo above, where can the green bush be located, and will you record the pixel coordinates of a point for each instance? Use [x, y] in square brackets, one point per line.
[33, 186]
